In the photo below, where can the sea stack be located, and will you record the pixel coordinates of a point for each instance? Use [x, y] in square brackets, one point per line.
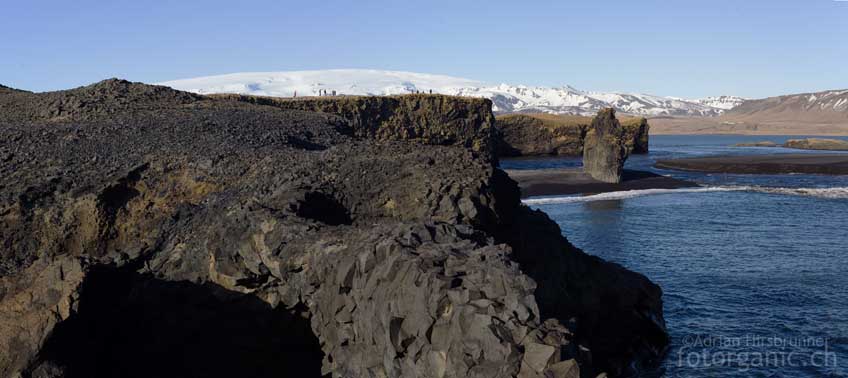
[605, 150]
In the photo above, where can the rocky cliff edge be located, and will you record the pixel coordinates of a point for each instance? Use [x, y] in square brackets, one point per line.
[151, 232]
[549, 134]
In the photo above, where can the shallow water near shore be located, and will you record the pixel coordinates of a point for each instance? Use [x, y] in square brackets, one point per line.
[754, 268]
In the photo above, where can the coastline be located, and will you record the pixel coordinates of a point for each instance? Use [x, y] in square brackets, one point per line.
[723, 126]
[753, 133]
[566, 181]
[383, 195]
[826, 164]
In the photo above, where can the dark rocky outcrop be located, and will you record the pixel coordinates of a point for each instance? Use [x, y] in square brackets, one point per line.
[6, 89]
[773, 164]
[32, 303]
[817, 144]
[432, 119]
[548, 134]
[101, 99]
[150, 232]
[569, 181]
[764, 143]
[542, 134]
[605, 149]
[636, 131]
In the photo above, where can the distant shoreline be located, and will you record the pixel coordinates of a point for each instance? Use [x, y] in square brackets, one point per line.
[724, 126]
[567, 181]
[825, 164]
[766, 133]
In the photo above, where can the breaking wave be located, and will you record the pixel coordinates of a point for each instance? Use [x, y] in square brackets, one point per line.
[835, 193]
[829, 193]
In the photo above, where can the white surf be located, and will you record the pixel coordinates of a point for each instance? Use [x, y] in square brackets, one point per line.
[830, 193]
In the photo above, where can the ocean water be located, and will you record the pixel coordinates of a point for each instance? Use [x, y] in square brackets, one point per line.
[754, 268]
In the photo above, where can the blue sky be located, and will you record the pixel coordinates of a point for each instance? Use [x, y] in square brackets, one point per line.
[677, 48]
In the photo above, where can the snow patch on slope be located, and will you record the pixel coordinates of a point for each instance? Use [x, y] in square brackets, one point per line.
[722, 102]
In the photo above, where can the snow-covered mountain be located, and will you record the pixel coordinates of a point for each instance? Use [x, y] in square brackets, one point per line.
[505, 98]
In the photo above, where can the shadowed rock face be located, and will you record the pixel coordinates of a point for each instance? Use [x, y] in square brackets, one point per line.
[636, 136]
[527, 135]
[605, 150]
[125, 318]
[150, 231]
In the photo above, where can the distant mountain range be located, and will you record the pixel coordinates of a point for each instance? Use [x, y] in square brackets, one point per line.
[821, 113]
[505, 98]
[819, 107]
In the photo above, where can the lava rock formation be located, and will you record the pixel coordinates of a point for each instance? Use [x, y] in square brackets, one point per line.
[562, 135]
[151, 232]
[605, 150]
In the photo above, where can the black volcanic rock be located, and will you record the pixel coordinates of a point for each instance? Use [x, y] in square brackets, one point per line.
[636, 135]
[540, 134]
[101, 99]
[822, 164]
[605, 150]
[550, 134]
[431, 119]
[151, 232]
[817, 144]
[6, 89]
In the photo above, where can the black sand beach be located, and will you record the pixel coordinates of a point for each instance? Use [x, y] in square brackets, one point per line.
[564, 181]
[827, 164]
